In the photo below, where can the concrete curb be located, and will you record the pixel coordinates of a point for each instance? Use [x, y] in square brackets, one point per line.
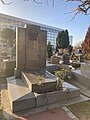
[70, 114]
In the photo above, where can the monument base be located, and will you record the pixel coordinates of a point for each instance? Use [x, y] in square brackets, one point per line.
[82, 77]
[21, 98]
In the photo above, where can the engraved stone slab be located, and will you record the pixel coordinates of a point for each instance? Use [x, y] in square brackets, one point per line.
[30, 48]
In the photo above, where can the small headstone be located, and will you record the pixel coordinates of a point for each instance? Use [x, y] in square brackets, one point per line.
[81, 58]
[55, 59]
[65, 58]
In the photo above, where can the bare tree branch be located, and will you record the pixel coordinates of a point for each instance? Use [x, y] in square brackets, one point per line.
[37, 2]
[71, 12]
[5, 2]
[74, 16]
[83, 6]
[34, 1]
[53, 3]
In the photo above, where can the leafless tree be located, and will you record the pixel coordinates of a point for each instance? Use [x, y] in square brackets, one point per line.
[82, 7]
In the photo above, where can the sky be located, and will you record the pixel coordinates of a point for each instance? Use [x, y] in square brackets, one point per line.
[56, 16]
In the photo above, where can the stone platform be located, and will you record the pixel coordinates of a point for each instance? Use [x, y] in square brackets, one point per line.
[19, 95]
[82, 76]
[30, 79]
[22, 98]
[24, 93]
[18, 115]
[68, 92]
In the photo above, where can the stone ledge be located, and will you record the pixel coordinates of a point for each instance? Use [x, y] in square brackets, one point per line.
[19, 95]
[80, 78]
[9, 115]
[30, 80]
[21, 98]
[56, 96]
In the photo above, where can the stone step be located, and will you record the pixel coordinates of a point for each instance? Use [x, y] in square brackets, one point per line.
[19, 95]
[82, 88]
[68, 93]
[21, 98]
[30, 78]
[78, 76]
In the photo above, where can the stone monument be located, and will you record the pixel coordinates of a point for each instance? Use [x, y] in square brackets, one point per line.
[65, 59]
[81, 58]
[23, 89]
[30, 49]
[55, 59]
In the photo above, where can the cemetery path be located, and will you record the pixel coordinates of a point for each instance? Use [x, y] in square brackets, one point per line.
[55, 114]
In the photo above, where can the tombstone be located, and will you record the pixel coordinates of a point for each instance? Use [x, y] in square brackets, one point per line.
[65, 58]
[55, 59]
[24, 91]
[81, 58]
[30, 49]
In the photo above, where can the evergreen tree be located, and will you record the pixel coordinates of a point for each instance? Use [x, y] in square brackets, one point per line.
[49, 50]
[70, 49]
[66, 40]
[62, 40]
[57, 49]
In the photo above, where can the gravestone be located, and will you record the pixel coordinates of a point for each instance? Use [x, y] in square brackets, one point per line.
[81, 58]
[65, 58]
[55, 59]
[30, 49]
[23, 89]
